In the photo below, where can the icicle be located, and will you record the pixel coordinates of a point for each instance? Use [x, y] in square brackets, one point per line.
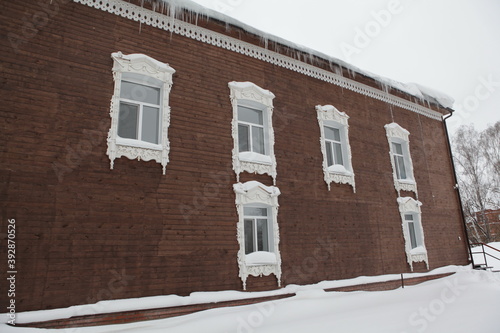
[338, 70]
[386, 88]
[331, 65]
[311, 58]
[265, 40]
[277, 48]
[352, 73]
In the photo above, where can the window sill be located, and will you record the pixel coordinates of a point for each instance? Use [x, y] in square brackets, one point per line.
[137, 144]
[255, 158]
[339, 169]
[260, 258]
[418, 250]
[407, 181]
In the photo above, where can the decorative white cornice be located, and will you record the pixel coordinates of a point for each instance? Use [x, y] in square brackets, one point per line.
[409, 205]
[326, 114]
[242, 93]
[148, 68]
[142, 64]
[167, 23]
[393, 130]
[253, 192]
[397, 133]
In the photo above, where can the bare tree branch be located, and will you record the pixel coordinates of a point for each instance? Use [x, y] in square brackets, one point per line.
[477, 160]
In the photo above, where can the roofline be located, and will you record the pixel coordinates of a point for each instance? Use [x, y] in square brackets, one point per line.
[171, 24]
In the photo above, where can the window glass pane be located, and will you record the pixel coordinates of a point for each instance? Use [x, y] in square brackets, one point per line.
[338, 154]
[336, 134]
[250, 115]
[258, 140]
[396, 166]
[140, 93]
[413, 236]
[150, 124]
[332, 133]
[400, 167]
[243, 137]
[329, 153]
[409, 217]
[249, 236]
[254, 211]
[262, 235]
[397, 148]
[127, 121]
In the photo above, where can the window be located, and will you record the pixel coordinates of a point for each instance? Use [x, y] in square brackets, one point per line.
[257, 230]
[333, 144]
[401, 162]
[257, 224]
[252, 129]
[140, 114]
[413, 233]
[337, 166]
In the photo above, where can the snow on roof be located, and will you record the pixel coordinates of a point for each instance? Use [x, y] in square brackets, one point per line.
[177, 8]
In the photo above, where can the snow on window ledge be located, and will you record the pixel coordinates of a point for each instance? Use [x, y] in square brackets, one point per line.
[418, 250]
[260, 258]
[340, 169]
[138, 143]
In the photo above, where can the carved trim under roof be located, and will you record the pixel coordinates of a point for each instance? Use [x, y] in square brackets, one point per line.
[167, 23]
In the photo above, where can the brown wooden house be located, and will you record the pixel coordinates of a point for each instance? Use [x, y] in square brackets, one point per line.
[151, 152]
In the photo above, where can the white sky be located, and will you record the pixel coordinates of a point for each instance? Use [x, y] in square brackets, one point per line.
[452, 46]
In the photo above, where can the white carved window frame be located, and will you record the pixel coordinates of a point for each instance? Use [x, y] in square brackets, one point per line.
[253, 193]
[250, 95]
[329, 116]
[408, 205]
[146, 68]
[398, 134]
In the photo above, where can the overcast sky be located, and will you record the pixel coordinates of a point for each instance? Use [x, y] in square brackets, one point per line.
[452, 46]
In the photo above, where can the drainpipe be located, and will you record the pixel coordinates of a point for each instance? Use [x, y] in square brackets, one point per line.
[455, 179]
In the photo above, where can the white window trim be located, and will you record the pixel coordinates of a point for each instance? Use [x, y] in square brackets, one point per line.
[247, 93]
[328, 115]
[134, 149]
[254, 193]
[398, 134]
[408, 205]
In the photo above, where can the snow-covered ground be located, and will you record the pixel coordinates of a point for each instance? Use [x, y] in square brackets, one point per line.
[468, 301]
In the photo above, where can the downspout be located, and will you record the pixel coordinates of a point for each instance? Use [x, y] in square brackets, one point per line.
[455, 179]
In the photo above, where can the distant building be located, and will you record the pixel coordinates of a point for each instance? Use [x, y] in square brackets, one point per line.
[148, 154]
[490, 219]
